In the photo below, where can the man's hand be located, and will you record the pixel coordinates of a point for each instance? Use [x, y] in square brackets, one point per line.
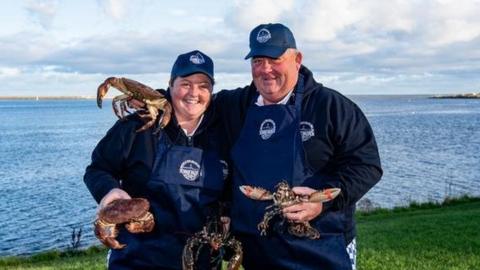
[304, 211]
[111, 196]
[136, 104]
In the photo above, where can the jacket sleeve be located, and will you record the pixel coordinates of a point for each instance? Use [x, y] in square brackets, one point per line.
[108, 158]
[356, 164]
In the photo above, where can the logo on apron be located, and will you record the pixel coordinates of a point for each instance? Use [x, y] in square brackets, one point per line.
[306, 130]
[190, 169]
[224, 169]
[267, 129]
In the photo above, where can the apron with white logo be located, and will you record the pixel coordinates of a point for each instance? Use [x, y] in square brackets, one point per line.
[268, 150]
[184, 186]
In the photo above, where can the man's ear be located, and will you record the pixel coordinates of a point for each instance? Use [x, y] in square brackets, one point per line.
[298, 59]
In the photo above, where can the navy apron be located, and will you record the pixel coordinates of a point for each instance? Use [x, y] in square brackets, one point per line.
[268, 150]
[184, 186]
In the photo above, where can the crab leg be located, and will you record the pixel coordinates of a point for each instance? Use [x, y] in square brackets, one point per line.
[117, 105]
[256, 193]
[324, 195]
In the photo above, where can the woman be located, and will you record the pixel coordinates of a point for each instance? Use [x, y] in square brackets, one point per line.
[180, 171]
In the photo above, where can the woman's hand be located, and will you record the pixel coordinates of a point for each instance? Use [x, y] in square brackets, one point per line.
[304, 211]
[111, 196]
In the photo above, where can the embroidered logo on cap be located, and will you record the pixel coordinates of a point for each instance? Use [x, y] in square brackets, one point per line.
[263, 35]
[306, 130]
[190, 169]
[267, 129]
[224, 169]
[197, 59]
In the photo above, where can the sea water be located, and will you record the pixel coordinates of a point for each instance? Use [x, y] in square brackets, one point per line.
[430, 149]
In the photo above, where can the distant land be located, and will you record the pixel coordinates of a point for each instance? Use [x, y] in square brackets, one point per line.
[467, 95]
[45, 97]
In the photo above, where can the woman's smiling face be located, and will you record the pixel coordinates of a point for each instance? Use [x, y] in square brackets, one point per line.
[191, 96]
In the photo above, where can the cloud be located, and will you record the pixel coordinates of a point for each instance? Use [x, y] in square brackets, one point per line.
[8, 72]
[249, 13]
[42, 12]
[25, 48]
[116, 9]
[356, 45]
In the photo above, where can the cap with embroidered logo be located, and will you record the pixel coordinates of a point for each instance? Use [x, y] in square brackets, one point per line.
[270, 40]
[192, 62]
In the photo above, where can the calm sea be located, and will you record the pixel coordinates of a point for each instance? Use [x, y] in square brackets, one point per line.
[430, 149]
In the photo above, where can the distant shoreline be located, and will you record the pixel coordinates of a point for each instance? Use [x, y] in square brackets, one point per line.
[45, 97]
[467, 96]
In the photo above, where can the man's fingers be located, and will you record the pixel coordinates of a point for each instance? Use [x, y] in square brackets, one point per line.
[295, 217]
[294, 208]
[303, 190]
[136, 104]
[301, 212]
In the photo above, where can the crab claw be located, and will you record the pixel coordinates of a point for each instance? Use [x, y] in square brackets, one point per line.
[106, 233]
[324, 195]
[102, 90]
[256, 193]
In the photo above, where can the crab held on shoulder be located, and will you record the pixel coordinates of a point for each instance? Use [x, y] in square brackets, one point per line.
[284, 197]
[131, 89]
[131, 212]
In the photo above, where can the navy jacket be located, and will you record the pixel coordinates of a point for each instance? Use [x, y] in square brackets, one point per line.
[124, 157]
[342, 152]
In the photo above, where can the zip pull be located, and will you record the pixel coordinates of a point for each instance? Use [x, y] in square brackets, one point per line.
[189, 141]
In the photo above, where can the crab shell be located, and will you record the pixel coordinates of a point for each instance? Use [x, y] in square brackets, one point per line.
[131, 89]
[131, 212]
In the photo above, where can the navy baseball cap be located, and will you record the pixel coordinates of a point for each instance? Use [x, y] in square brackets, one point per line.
[192, 62]
[270, 40]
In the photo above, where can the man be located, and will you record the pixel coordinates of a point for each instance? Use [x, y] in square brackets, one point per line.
[286, 126]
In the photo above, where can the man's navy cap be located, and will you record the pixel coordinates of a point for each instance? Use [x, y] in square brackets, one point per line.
[270, 40]
[192, 62]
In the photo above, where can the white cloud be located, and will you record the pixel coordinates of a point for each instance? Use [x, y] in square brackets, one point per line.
[8, 72]
[249, 13]
[347, 43]
[116, 9]
[42, 12]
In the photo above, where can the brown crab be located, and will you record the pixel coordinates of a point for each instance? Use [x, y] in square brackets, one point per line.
[153, 100]
[131, 212]
[215, 234]
[284, 197]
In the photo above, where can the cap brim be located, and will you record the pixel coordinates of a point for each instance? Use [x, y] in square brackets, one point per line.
[272, 52]
[192, 70]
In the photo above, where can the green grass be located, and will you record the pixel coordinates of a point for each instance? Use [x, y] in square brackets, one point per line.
[422, 236]
[92, 258]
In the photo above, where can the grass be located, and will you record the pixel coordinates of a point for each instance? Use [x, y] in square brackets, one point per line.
[89, 259]
[422, 236]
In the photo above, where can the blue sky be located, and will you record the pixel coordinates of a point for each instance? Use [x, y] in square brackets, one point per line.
[53, 47]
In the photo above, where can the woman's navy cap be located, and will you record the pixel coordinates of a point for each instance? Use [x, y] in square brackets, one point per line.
[192, 62]
[270, 40]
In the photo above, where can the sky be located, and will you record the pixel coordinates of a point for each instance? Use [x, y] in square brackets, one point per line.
[67, 48]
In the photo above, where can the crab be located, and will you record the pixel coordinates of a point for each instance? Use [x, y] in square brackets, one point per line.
[215, 234]
[284, 197]
[153, 100]
[131, 212]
